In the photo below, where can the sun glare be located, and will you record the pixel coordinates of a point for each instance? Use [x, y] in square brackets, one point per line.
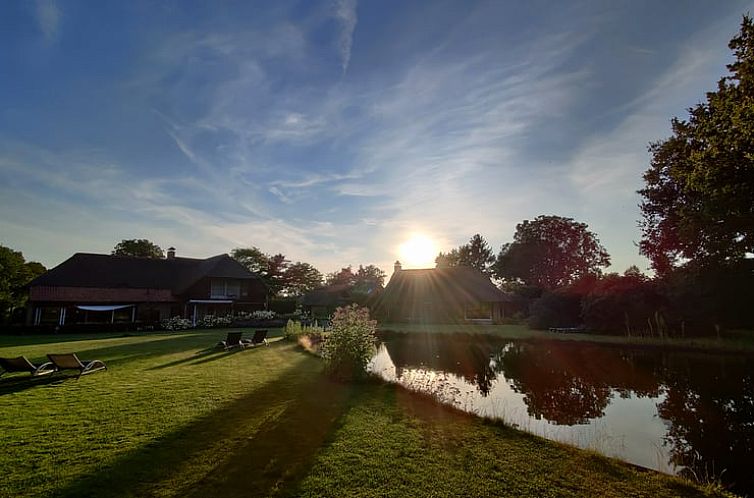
[418, 252]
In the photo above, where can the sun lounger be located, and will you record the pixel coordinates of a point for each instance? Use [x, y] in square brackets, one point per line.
[71, 362]
[260, 337]
[21, 364]
[233, 340]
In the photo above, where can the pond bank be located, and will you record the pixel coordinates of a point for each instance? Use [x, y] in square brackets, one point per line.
[738, 341]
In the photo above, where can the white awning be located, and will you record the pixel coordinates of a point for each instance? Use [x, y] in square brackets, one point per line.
[210, 301]
[110, 307]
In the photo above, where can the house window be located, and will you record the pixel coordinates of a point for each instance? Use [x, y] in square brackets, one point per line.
[479, 311]
[222, 288]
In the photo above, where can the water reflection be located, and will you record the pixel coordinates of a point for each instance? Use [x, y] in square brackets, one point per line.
[677, 412]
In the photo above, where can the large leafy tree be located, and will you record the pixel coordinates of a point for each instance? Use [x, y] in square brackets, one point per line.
[302, 278]
[15, 274]
[698, 200]
[345, 276]
[252, 258]
[477, 253]
[551, 252]
[139, 248]
[370, 277]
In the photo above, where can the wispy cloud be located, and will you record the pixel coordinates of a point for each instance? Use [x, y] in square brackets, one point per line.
[345, 13]
[48, 18]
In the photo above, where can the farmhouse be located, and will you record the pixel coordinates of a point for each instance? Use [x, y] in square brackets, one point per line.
[100, 288]
[442, 295]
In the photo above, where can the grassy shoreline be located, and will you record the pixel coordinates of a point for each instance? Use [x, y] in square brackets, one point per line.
[172, 417]
[740, 341]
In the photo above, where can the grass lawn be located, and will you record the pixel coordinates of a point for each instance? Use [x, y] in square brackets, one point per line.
[172, 418]
[730, 341]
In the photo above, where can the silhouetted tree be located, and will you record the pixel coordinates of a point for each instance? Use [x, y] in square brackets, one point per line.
[138, 248]
[476, 254]
[551, 252]
[15, 274]
[697, 203]
[302, 278]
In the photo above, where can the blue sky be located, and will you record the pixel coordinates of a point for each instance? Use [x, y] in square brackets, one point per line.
[332, 131]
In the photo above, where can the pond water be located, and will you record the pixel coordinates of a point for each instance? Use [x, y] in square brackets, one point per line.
[677, 412]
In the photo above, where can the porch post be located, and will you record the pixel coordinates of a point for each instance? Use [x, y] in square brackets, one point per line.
[133, 314]
[112, 317]
[193, 319]
[62, 316]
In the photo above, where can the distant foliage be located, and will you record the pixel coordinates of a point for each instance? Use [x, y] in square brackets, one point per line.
[350, 343]
[213, 321]
[556, 309]
[138, 248]
[295, 329]
[628, 304]
[477, 254]
[15, 274]
[176, 323]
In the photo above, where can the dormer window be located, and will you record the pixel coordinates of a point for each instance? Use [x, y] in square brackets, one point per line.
[221, 288]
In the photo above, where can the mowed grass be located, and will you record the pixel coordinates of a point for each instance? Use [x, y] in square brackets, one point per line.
[172, 417]
[734, 341]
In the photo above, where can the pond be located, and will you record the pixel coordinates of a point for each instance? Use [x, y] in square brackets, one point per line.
[681, 412]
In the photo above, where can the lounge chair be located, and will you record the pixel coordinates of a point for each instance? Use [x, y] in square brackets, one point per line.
[21, 364]
[260, 337]
[71, 362]
[233, 340]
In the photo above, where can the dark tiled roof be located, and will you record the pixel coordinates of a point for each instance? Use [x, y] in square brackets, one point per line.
[454, 285]
[105, 271]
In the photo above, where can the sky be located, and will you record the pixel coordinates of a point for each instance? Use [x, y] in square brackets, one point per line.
[334, 131]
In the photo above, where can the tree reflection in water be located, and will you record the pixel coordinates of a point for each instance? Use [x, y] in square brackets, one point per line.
[707, 401]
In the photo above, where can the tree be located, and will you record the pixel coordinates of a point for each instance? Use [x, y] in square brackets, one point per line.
[15, 274]
[370, 277]
[475, 254]
[344, 276]
[138, 248]
[275, 275]
[302, 278]
[252, 258]
[697, 202]
[272, 269]
[551, 252]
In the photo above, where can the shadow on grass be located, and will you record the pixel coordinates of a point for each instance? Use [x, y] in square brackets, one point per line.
[271, 459]
[10, 385]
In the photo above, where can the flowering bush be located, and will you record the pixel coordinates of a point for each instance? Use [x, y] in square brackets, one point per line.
[176, 323]
[257, 315]
[212, 321]
[263, 315]
[350, 344]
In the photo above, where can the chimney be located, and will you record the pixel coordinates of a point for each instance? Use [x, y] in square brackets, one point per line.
[397, 267]
[171, 252]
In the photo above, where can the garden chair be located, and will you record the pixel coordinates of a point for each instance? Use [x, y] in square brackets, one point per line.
[233, 340]
[260, 337]
[22, 364]
[70, 361]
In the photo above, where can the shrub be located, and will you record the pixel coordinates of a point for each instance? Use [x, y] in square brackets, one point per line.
[350, 343]
[176, 323]
[555, 309]
[213, 321]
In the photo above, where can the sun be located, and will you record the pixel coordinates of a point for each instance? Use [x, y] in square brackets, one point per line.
[419, 251]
